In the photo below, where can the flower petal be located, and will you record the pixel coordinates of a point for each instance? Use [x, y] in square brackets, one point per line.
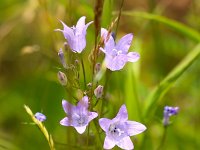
[80, 25]
[65, 122]
[124, 43]
[133, 56]
[116, 63]
[108, 143]
[134, 128]
[108, 42]
[125, 143]
[122, 115]
[92, 115]
[78, 44]
[80, 130]
[86, 26]
[83, 103]
[68, 108]
[104, 33]
[105, 123]
[68, 32]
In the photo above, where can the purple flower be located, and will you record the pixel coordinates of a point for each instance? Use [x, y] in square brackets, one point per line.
[39, 116]
[169, 111]
[98, 92]
[119, 129]
[76, 34]
[117, 54]
[77, 116]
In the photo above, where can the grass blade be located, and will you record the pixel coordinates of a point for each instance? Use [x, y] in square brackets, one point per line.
[169, 80]
[185, 30]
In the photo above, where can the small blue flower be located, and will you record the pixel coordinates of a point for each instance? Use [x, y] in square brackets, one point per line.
[117, 55]
[169, 111]
[119, 129]
[75, 35]
[77, 116]
[39, 116]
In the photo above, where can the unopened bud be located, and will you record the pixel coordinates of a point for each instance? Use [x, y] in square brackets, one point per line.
[62, 78]
[76, 62]
[97, 67]
[62, 58]
[66, 46]
[98, 92]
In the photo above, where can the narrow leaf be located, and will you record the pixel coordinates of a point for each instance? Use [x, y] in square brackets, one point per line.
[185, 30]
[170, 79]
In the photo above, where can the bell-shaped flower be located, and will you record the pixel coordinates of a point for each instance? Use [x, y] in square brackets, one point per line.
[117, 54]
[77, 116]
[119, 129]
[76, 35]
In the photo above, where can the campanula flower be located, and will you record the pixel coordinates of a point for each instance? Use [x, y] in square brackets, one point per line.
[77, 116]
[39, 116]
[119, 129]
[169, 111]
[117, 54]
[75, 35]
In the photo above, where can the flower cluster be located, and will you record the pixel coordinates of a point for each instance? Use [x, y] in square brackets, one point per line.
[119, 129]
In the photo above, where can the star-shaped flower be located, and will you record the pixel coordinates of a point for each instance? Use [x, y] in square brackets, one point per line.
[76, 34]
[77, 116]
[117, 54]
[119, 129]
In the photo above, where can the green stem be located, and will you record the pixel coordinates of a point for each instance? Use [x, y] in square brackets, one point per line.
[88, 135]
[160, 147]
[119, 16]
[83, 68]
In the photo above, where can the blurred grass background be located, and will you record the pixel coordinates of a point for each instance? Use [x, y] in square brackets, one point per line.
[29, 66]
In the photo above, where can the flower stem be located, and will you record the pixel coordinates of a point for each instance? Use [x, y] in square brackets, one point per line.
[160, 147]
[83, 68]
[88, 135]
[119, 15]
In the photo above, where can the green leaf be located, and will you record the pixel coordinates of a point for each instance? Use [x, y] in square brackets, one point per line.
[185, 30]
[169, 80]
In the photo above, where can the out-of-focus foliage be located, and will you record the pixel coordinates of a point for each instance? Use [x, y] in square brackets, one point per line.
[29, 64]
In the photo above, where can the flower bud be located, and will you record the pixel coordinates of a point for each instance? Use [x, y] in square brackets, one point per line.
[39, 116]
[98, 92]
[97, 67]
[62, 58]
[62, 78]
